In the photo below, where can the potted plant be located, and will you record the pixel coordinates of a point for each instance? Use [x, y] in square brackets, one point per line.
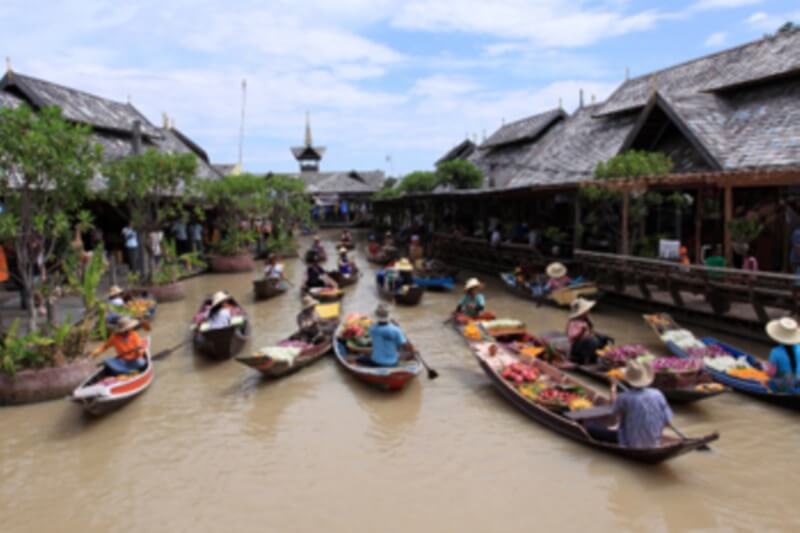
[165, 285]
[744, 230]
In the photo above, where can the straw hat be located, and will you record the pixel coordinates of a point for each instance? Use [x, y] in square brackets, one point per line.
[115, 290]
[125, 323]
[415, 238]
[580, 306]
[472, 283]
[342, 249]
[404, 265]
[316, 238]
[556, 270]
[784, 331]
[309, 301]
[219, 297]
[638, 374]
[382, 314]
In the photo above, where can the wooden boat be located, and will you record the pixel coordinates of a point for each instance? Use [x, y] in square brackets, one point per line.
[350, 245]
[663, 323]
[103, 392]
[321, 255]
[409, 295]
[378, 258]
[222, 343]
[343, 280]
[675, 393]
[571, 424]
[561, 297]
[435, 282]
[277, 368]
[387, 378]
[267, 288]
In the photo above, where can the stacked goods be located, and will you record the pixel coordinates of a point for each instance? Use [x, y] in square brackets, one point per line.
[670, 372]
[540, 388]
[472, 331]
[619, 355]
[707, 350]
[502, 327]
[140, 307]
[356, 333]
[737, 367]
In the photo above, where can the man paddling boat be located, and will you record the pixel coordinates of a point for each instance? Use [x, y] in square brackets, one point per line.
[128, 345]
[387, 339]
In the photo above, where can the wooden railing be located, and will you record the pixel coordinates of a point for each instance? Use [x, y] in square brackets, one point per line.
[478, 254]
[725, 290]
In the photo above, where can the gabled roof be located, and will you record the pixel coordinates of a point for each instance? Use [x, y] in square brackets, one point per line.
[526, 129]
[186, 140]
[172, 143]
[308, 152]
[78, 106]
[768, 58]
[462, 150]
[342, 182]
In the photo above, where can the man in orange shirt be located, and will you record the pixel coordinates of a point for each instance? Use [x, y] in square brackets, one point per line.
[129, 346]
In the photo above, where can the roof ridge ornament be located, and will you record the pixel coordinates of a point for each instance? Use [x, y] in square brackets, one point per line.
[309, 138]
[654, 84]
[9, 70]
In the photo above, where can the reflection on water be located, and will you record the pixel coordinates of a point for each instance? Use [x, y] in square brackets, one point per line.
[212, 447]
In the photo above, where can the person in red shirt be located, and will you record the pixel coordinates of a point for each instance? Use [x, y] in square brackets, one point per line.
[128, 345]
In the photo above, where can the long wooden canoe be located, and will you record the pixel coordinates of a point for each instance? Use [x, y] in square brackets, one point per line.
[409, 295]
[663, 323]
[273, 368]
[103, 391]
[566, 423]
[387, 378]
[343, 280]
[222, 343]
[268, 288]
[560, 297]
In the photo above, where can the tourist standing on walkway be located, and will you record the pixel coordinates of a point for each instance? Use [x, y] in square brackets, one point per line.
[131, 247]
[181, 235]
[154, 239]
[196, 234]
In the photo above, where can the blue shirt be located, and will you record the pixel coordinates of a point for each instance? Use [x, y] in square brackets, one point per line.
[179, 231]
[472, 305]
[386, 339]
[131, 240]
[784, 378]
[644, 413]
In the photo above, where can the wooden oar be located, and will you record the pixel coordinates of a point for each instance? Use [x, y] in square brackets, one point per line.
[164, 353]
[432, 374]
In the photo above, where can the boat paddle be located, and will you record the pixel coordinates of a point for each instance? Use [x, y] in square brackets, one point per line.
[432, 374]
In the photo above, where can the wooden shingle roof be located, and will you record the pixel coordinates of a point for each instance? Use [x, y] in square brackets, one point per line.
[526, 129]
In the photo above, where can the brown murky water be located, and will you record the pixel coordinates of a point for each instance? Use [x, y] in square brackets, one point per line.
[210, 447]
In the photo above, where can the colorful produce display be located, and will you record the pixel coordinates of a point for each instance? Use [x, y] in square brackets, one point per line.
[619, 355]
[355, 325]
[472, 331]
[140, 307]
[706, 351]
[538, 387]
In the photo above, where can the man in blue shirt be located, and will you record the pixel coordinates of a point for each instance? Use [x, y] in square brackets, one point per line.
[785, 358]
[387, 339]
[643, 411]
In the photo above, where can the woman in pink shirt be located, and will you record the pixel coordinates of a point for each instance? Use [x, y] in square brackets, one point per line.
[583, 340]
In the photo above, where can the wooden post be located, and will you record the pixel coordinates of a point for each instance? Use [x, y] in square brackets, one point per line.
[576, 234]
[728, 210]
[626, 201]
[699, 209]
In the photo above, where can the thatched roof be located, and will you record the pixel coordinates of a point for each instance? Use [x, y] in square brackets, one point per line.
[462, 150]
[352, 181]
[524, 130]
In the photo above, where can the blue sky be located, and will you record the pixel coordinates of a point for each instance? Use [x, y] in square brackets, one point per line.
[405, 79]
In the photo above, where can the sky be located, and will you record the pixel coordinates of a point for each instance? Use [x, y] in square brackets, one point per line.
[389, 84]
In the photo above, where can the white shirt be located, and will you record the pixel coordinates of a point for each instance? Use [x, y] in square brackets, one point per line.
[155, 242]
[220, 319]
[495, 238]
[273, 272]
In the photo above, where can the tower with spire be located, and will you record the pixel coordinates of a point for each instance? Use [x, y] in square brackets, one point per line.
[308, 156]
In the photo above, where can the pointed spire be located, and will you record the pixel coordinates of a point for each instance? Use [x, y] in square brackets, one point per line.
[560, 103]
[627, 73]
[309, 140]
[9, 70]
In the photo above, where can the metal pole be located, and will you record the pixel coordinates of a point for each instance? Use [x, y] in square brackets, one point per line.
[241, 126]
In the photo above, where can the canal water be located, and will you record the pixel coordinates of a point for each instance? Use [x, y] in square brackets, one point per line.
[211, 447]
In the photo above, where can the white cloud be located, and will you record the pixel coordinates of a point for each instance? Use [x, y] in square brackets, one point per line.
[549, 23]
[716, 39]
[702, 5]
[770, 22]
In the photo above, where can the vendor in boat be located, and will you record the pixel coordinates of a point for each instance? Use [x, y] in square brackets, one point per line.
[416, 253]
[346, 237]
[373, 247]
[784, 358]
[128, 345]
[309, 321]
[389, 248]
[220, 314]
[643, 410]
[557, 277]
[400, 275]
[316, 277]
[583, 340]
[473, 303]
[317, 247]
[521, 277]
[273, 269]
[116, 301]
[387, 341]
[345, 266]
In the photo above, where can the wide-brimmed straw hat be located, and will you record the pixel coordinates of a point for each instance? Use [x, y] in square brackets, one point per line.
[309, 301]
[382, 313]
[580, 306]
[784, 331]
[115, 290]
[404, 265]
[556, 270]
[219, 298]
[472, 283]
[125, 323]
[343, 249]
[638, 374]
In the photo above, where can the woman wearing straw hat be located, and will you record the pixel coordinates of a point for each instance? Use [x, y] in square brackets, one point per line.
[345, 266]
[273, 269]
[785, 358]
[400, 275]
[308, 321]
[128, 345]
[473, 302]
[557, 277]
[584, 341]
[220, 313]
[643, 411]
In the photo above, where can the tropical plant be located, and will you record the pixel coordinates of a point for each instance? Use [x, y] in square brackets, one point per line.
[46, 165]
[634, 163]
[151, 189]
[175, 266]
[745, 229]
[459, 174]
[418, 181]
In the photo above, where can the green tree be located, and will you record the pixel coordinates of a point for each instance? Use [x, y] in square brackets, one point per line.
[634, 163]
[419, 181]
[152, 189]
[46, 166]
[459, 174]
